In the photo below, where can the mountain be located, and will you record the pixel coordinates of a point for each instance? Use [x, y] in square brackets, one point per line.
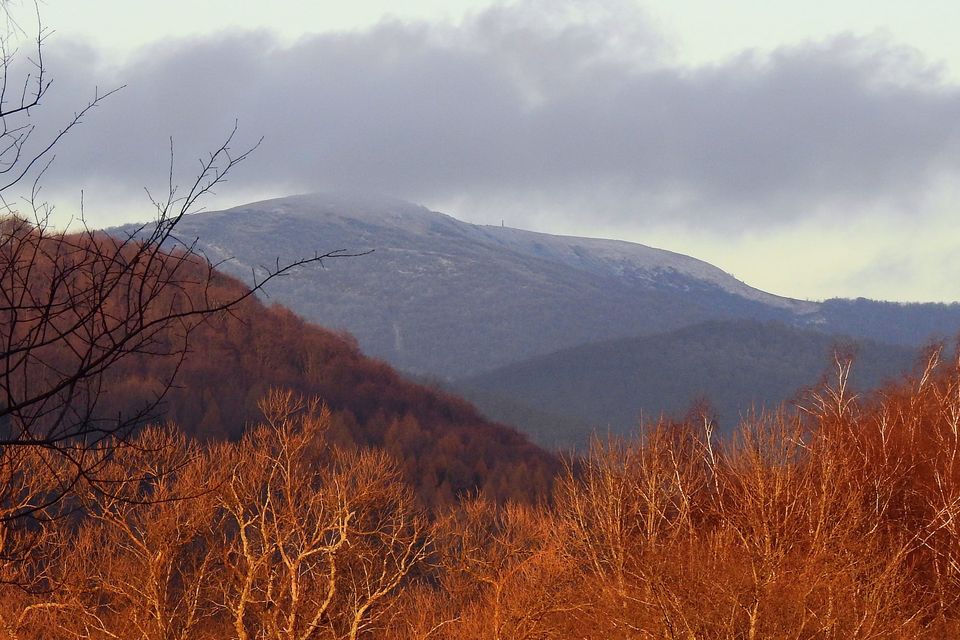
[892, 322]
[443, 297]
[735, 366]
[446, 300]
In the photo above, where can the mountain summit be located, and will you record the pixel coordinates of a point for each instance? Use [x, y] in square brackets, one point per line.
[442, 297]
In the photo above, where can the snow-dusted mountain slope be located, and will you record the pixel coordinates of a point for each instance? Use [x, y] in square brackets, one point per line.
[631, 261]
[443, 297]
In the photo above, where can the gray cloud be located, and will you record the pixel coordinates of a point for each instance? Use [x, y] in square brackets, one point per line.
[569, 114]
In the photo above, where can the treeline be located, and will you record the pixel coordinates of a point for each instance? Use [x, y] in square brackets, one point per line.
[840, 521]
[910, 323]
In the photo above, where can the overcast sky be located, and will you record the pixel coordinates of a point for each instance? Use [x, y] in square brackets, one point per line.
[811, 149]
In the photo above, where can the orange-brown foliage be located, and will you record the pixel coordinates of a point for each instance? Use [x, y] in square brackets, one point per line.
[839, 521]
[836, 522]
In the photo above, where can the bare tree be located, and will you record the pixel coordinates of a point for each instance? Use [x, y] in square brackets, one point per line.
[73, 305]
[140, 561]
[505, 569]
[317, 541]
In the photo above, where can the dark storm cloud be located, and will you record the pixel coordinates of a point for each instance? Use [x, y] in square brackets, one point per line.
[511, 108]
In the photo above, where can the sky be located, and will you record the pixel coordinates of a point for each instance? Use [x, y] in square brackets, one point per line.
[811, 149]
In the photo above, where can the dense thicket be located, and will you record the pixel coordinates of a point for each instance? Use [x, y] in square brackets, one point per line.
[839, 522]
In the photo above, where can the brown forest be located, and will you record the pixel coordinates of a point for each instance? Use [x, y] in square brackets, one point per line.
[327, 498]
[444, 447]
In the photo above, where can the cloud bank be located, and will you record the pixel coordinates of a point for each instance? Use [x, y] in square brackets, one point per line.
[527, 108]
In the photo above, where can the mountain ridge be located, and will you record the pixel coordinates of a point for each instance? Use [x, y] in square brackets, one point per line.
[443, 297]
[609, 256]
[446, 298]
[734, 366]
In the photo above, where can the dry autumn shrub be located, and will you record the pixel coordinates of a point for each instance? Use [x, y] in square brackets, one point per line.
[839, 521]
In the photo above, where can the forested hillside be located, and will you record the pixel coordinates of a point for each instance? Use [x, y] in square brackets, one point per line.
[891, 322]
[211, 370]
[442, 443]
[729, 367]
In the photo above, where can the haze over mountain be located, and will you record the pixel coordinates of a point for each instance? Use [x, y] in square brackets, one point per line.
[447, 298]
